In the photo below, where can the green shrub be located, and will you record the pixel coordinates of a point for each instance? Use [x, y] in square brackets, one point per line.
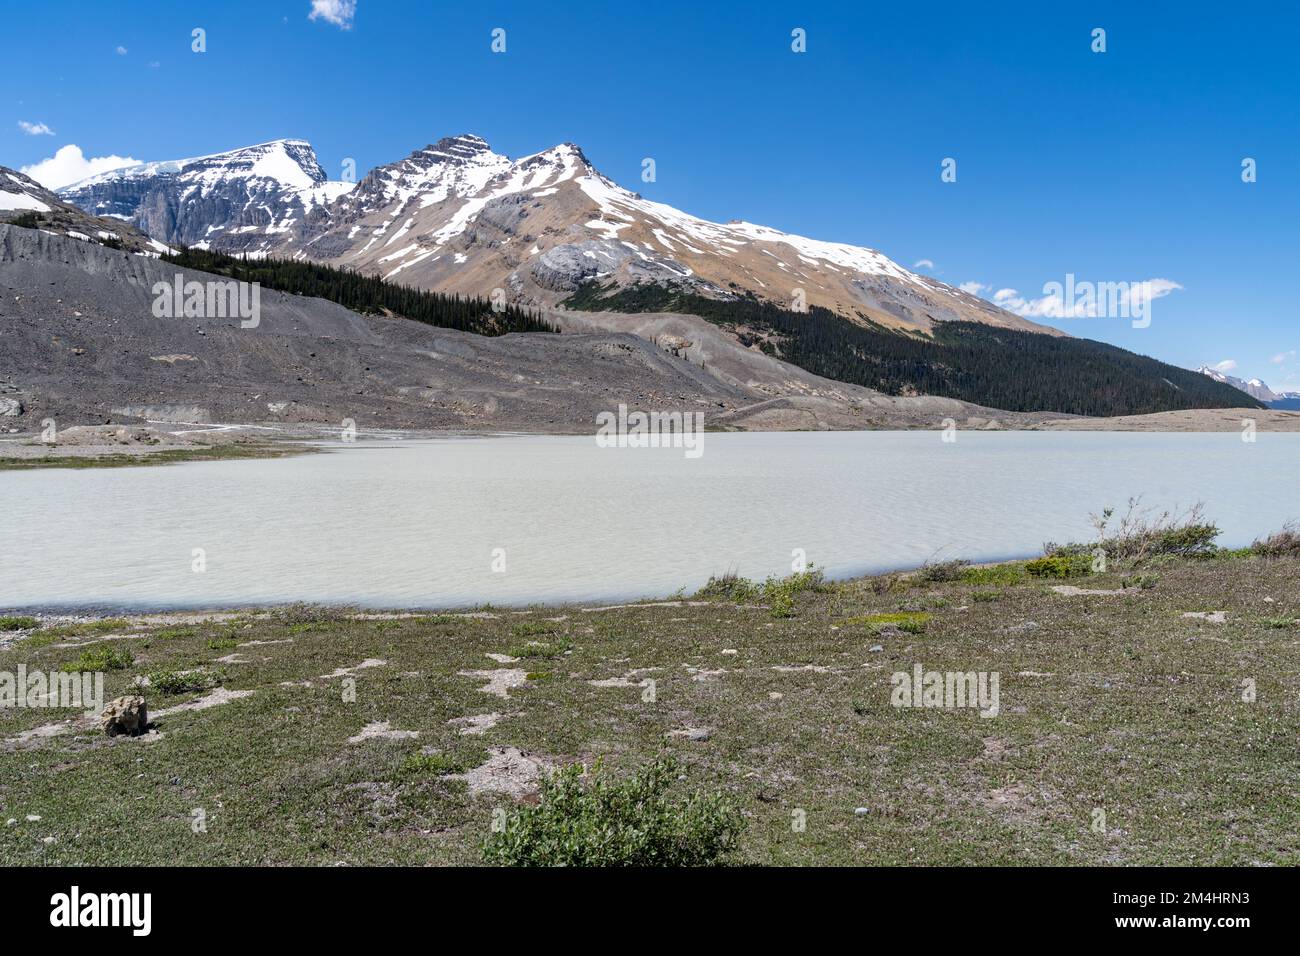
[102, 658]
[18, 623]
[439, 764]
[1140, 536]
[633, 822]
[731, 587]
[1143, 581]
[1233, 554]
[913, 622]
[222, 643]
[170, 682]
[538, 675]
[985, 596]
[541, 649]
[1279, 543]
[1280, 622]
[535, 628]
[942, 571]
[994, 574]
[1060, 566]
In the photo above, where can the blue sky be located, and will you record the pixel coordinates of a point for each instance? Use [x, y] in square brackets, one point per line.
[1123, 166]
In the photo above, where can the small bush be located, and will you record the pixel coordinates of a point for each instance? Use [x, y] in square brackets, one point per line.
[170, 682]
[779, 593]
[1144, 581]
[101, 658]
[1060, 566]
[985, 596]
[913, 622]
[1279, 543]
[534, 628]
[633, 822]
[886, 583]
[1140, 536]
[438, 764]
[222, 643]
[994, 574]
[1280, 622]
[17, 623]
[538, 675]
[942, 571]
[731, 587]
[543, 650]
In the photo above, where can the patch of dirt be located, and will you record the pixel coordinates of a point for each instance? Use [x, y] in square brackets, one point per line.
[215, 699]
[382, 730]
[1212, 617]
[499, 682]
[349, 671]
[475, 725]
[703, 674]
[1069, 590]
[508, 771]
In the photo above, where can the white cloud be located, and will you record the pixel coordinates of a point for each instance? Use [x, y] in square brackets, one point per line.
[923, 264]
[1125, 298]
[35, 129]
[1281, 357]
[121, 51]
[973, 288]
[69, 165]
[1227, 365]
[337, 12]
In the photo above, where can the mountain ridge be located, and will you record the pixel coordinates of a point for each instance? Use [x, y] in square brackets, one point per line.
[455, 216]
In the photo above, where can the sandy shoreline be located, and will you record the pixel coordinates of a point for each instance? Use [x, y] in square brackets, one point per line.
[172, 441]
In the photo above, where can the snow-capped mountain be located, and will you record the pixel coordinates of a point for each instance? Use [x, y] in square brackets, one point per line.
[26, 201]
[456, 216]
[245, 201]
[1254, 387]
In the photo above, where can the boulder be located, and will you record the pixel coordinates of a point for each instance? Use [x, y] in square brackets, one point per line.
[125, 715]
[10, 407]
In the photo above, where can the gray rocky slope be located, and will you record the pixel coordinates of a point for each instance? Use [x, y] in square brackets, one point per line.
[79, 342]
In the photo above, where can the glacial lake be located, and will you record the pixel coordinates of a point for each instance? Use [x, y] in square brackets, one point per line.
[416, 523]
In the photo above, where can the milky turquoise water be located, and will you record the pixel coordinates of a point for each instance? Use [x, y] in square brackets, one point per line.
[417, 523]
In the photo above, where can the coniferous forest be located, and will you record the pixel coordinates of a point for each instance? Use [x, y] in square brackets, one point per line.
[367, 294]
[1001, 368]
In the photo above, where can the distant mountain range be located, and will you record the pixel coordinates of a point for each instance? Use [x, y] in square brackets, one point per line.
[457, 217]
[1255, 389]
[564, 247]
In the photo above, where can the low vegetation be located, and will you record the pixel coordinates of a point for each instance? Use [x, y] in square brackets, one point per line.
[788, 746]
[100, 658]
[605, 822]
[187, 682]
[779, 593]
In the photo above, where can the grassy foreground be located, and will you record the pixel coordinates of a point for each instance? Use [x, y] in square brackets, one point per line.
[777, 700]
